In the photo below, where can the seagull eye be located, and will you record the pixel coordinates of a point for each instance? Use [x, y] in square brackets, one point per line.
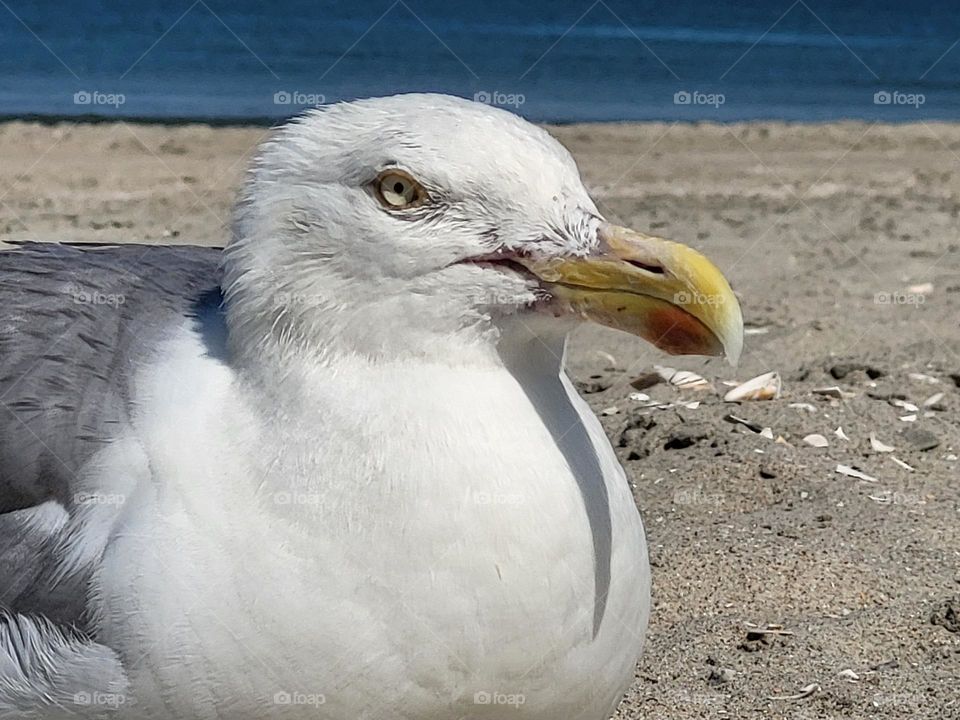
[397, 190]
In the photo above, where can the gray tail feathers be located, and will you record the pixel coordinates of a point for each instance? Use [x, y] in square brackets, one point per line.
[50, 672]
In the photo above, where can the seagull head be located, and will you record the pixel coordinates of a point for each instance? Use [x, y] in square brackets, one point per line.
[428, 225]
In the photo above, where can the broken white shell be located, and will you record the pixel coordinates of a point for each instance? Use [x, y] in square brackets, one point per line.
[805, 691]
[762, 387]
[933, 399]
[878, 446]
[816, 440]
[851, 472]
[901, 463]
[682, 378]
[848, 675]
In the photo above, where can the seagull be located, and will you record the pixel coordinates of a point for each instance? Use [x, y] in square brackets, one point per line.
[336, 468]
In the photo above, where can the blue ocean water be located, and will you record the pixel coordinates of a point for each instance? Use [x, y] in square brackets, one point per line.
[558, 61]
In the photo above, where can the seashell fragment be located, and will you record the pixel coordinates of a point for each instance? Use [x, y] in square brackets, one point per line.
[902, 464]
[762, 387]
[878, 446]
[682, 378]
[854, 473]
[933, 400]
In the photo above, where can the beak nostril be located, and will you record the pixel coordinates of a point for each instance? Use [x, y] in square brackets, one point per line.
[655, 269]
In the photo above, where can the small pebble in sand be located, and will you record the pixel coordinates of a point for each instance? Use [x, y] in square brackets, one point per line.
[919, 439]
[647, 380]
[841, 370]
[947, 614]
[721, 676]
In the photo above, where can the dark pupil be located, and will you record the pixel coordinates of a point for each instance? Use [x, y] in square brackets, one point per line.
[398, 188]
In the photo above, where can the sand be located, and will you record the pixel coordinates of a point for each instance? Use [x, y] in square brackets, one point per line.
[841, 241]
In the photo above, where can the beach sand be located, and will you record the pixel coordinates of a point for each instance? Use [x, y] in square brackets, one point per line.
[842, 242]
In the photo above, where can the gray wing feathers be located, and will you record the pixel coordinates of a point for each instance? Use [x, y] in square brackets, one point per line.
[74, 325]
[50, 672]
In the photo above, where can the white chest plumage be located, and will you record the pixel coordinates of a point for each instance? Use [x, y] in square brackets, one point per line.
[411, 542]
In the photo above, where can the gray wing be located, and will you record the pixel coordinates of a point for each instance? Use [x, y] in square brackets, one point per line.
[49, 672]
[74, 322]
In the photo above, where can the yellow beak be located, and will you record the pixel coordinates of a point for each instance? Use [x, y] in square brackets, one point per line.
[665, 292]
